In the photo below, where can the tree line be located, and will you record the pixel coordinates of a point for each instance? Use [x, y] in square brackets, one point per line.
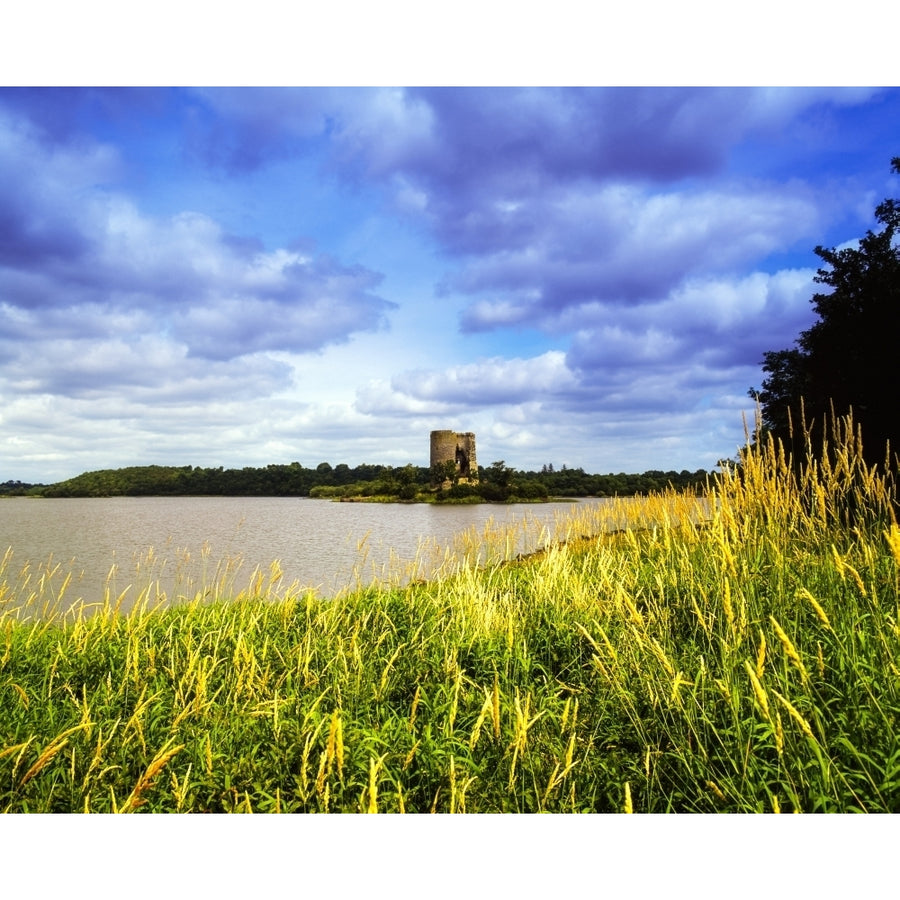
[18, 488]
[497, 482]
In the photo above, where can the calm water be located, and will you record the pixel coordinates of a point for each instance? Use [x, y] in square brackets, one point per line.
[181, 545]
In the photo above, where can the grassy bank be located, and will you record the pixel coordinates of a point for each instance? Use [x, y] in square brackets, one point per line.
[745, 663]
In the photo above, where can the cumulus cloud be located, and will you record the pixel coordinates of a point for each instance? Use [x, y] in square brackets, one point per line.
[490, 381]
[487, 383]
[501, 138]
[723, 322]
[619, 246]
[78, 264]
[553, 200]
[465, 146]
[564, 209]
[474, 153]
[141, 369]
[687, 357]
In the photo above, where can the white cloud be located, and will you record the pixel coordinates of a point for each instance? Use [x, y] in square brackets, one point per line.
[620, 246]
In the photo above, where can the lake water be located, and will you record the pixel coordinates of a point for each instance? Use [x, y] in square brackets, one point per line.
[176, 547]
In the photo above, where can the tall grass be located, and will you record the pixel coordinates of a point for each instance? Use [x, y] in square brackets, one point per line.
[733, 653]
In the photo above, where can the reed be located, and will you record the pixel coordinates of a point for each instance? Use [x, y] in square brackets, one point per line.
[736, 652]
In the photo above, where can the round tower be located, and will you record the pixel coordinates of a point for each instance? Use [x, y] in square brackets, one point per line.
[457, 448]
[443, 447]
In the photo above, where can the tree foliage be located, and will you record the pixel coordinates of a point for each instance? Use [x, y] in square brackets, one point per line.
[497, 483]
[846, 361]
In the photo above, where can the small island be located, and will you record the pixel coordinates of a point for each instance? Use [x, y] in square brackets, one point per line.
[443, 483]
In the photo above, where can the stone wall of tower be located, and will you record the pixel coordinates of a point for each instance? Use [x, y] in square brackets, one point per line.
[443, 446]
[458, 447]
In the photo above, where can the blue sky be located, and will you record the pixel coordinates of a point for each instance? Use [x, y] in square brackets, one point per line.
[244, 276]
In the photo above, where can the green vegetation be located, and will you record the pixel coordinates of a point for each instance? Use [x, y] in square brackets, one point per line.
[140, 481]
[846, 361]
[19, 489]
[498, 483]
[667, 654]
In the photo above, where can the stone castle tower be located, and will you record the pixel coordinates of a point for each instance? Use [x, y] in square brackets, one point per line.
[457, 447]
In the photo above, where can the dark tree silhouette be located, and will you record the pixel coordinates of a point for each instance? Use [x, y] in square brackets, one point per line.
[847, 360]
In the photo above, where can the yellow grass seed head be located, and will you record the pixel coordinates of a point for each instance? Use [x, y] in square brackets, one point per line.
[823, 618]
[42, 760]
[321, 775]
[146, 780]
[678, 681]
[159, 762]
[728, 557]
[410, 755]
[796, 715]
[893, 539]
[838, 561]
[332, 739]
[48, 753]
[789, 648]
[486, 708]
[761, 654]
[373, 786]
[21, 692]
[552, 782]
[760, 692]
[726, 603]
[660, 654]
[629, 807]
[16, 747]
[857, 578]
[415, 707]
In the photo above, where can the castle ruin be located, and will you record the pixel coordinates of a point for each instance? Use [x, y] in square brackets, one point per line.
[458, 448]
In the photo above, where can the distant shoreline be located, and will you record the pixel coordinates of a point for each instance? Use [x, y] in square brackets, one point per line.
[496, 483]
